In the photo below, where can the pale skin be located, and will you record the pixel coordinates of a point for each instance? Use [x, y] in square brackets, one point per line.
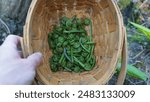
[15, 70]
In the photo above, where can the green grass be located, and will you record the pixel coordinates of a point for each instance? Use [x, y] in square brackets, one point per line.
[142, 29]
[134, 72]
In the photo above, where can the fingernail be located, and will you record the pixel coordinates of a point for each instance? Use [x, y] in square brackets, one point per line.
[39, 54]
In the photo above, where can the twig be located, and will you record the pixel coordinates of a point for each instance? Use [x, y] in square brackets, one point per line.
[136, 56]
[137, 83]
[143, 3]
[130, 81]
[8, 30]
[147, 55]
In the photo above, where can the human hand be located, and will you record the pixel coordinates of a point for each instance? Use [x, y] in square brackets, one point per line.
[15, 70]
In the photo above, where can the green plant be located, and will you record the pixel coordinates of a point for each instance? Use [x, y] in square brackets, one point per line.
[124, 3]
[142, 29]
[73, 49]
[134, 72]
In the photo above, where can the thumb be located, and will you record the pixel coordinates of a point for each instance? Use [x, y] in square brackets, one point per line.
[35, 59]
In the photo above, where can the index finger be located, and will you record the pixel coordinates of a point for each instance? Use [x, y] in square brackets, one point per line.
[12, 41]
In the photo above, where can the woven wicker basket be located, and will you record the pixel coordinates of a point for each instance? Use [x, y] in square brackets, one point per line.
[108, 33]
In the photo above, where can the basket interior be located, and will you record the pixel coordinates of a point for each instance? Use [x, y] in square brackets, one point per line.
[106, 34]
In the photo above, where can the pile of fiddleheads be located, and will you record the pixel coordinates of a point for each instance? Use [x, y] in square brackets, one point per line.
[72, 47]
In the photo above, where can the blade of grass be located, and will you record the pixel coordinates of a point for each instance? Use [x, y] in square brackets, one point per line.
[133, 72]
[143, 29]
